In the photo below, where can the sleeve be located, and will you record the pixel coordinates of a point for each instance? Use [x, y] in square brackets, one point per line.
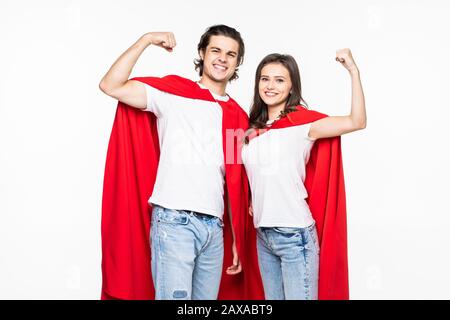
[157, 101]
[306, 132]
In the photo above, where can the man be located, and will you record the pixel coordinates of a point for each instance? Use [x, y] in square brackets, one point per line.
[188, 165]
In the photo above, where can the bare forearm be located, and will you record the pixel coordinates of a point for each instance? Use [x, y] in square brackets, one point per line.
[230, 218]
[120, 71]
[338, 125]
[358, 108]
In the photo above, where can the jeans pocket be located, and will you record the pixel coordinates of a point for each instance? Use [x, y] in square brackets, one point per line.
[220, 223]
[288, 232]
[155, 213]
[169, 216]
[314, 238]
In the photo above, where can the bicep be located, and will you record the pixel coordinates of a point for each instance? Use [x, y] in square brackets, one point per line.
[331, 127]
[131, 93]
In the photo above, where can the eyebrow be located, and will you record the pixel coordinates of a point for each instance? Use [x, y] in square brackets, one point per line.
[263, 75]
[221, 50]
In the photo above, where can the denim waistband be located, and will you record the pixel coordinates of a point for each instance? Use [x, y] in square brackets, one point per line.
[203, 216]
[200, 215]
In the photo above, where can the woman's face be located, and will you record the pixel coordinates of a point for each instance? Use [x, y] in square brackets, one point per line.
[274, 84]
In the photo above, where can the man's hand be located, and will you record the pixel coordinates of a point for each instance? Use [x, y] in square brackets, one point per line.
[164, 40]
[236, 267]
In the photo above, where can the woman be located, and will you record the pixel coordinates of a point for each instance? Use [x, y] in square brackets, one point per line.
[286, 206]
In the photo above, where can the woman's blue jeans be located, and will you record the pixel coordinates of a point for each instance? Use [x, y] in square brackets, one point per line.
[289, 262]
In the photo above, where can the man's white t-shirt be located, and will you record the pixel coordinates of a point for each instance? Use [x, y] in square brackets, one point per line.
[275, 163]
[191, 166]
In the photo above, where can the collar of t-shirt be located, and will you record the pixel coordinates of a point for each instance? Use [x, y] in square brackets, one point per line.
[215, 96]
[269, 123]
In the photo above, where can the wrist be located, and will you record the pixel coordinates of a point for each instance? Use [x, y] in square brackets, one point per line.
[354, 71]
[147, 39]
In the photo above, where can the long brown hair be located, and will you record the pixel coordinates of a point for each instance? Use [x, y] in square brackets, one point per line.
[258, 111]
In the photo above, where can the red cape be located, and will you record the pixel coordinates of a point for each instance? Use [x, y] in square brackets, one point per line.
[326, 199]
[130, 173]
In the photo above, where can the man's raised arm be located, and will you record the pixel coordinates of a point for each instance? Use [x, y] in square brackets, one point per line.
[115, 83]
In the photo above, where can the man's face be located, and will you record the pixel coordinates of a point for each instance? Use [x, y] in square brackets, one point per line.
[220, 58]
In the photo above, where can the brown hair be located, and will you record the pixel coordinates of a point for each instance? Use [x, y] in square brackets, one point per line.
[258, 111]
[220, 30]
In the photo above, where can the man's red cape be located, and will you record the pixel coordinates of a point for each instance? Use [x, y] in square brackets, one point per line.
[326, 199]
[130, 172]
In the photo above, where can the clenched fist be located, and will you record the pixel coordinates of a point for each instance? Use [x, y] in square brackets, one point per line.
[344, 56]
[164, 40]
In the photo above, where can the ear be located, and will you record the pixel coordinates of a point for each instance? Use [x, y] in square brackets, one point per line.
[201, 53]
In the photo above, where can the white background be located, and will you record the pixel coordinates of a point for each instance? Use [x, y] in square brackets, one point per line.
[55, 125]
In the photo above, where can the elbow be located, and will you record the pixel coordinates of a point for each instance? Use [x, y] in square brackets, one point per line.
[362, 125]
[103, 86]
[108, 87]
[359, 124]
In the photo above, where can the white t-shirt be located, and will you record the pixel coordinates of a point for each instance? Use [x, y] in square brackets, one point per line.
[191, 165]
[275, 163]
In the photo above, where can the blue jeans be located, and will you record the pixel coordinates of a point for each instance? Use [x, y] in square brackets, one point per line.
[289, 262]
[187, 254]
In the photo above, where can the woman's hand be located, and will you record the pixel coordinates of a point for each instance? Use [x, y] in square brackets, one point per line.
[344, 56]
[250, 210]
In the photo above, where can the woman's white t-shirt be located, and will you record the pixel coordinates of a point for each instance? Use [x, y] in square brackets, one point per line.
[275, 163]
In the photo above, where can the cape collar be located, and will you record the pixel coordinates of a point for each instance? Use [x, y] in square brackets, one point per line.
[224, 98]
[295, 118]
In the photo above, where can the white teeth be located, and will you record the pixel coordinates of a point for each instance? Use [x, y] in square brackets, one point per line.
[270, 94]
[219, 67]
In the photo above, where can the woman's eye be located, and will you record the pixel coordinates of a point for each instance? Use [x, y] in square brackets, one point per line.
[280, 81]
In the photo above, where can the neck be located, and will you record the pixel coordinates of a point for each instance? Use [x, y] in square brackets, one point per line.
[274, 111]
[214, 86]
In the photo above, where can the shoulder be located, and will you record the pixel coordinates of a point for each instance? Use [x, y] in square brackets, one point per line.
[302, 115]
[178, 86]
[166, 81]
[301, 109]
[241, 113]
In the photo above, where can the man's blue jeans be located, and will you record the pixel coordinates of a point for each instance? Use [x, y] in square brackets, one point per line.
[187, 254]
[289, 262]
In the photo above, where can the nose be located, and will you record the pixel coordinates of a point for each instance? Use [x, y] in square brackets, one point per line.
[270, 84]
[223, 58]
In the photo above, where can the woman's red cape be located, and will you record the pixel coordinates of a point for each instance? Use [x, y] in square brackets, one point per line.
[324, 183]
